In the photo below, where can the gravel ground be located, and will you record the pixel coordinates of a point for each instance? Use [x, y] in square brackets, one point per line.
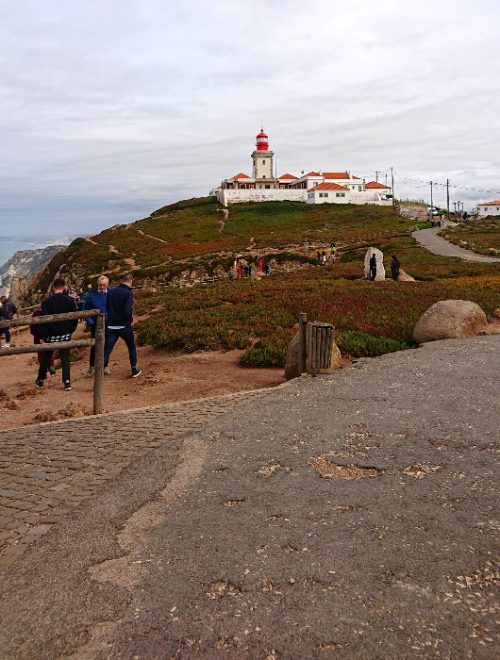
[353, 514]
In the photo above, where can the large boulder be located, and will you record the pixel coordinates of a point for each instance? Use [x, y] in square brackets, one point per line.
[450, 318]
[379, 257]
[292, 358]
[404, 277]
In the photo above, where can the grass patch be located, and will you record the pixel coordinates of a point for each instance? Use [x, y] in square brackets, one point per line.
[481, 236]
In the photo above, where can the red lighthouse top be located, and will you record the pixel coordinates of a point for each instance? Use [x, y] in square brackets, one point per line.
[262, 141]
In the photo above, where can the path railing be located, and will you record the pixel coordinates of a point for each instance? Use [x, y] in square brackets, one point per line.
[98, 342]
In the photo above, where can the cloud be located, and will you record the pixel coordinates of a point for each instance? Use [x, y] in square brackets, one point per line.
[108, 110]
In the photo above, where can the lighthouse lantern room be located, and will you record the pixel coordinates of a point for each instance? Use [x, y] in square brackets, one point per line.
[263, 170]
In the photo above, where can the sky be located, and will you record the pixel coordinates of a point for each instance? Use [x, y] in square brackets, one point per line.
[110, 109]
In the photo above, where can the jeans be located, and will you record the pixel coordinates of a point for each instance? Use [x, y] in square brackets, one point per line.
[64, 356]
[112, 336]
[92, 350]
[7, 333]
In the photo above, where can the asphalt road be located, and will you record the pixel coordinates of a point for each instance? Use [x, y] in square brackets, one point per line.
[436, 244]
[229, 542]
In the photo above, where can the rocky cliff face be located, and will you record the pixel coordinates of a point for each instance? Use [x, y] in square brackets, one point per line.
[24, 266]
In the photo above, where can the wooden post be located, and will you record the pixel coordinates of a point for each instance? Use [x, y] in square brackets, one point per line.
[99, 364]
[302, 342]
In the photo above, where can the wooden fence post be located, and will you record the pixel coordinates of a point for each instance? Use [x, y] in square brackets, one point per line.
[99, 364]
[302, 342]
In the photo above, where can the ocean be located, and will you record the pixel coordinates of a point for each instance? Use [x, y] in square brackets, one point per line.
[9, 245]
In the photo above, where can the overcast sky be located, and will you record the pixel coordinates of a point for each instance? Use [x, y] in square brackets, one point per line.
[112, 108]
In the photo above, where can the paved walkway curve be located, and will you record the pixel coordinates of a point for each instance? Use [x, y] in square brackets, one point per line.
[353, 515]
[436, 244]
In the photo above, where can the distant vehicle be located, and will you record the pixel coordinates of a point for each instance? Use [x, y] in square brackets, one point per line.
[432, 210]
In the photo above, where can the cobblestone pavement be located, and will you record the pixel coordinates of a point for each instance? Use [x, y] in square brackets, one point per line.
[47, 470]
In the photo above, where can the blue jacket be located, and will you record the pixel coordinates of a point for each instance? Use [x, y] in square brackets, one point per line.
[94, 300]
[119, 305]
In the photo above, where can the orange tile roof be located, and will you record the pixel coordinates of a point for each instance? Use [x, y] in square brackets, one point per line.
[495, 202]
[287, 176]
[313, 174]
[375, 184]
[329, 186]
[336, 175]
[241, 175]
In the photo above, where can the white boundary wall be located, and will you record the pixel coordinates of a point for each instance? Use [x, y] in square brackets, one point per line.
[228, 196]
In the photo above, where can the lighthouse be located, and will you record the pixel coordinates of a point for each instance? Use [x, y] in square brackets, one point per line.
[263, 169]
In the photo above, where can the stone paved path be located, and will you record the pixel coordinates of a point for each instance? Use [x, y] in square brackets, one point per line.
[438, 245]
[355, 514]
[48, 470]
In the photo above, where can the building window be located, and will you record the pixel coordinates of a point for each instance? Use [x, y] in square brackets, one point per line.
[263, 176]
[359, 188]
[263, 162]
[267, 186]
[325, 195]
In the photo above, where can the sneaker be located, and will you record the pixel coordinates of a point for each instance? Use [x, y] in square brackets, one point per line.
[90, 372]
[67, 386]
[107, 371]
[136, 372]
[6, 346]
[39, 383]
[52, 370]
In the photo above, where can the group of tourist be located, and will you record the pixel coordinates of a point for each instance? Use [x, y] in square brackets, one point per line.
[116, 304]
[323, 257]
[246, 269]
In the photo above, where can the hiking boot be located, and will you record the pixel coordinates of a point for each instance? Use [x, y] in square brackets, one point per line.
[67, 386]
[52, 370]
[107, 371]
[90, 372]
[136, 372]
[39, 383]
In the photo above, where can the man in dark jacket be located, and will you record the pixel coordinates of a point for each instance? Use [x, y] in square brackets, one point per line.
[95, 299]
[119, 317]
[56, 331]
[7, 311]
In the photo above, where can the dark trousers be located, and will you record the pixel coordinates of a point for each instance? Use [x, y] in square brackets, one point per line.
[92, 350]
[7, 333]
[64, 356]
[112, 336]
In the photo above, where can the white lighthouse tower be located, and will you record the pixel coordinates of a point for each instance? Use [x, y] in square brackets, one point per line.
[263, 168]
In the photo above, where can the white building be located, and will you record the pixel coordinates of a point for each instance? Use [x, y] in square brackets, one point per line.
[488, 208]
[312, 188]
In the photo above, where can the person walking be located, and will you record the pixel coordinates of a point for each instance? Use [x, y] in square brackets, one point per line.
[333, 252]
[395, 266]
[7, 311]
[56, 331]
[373, 267]
[119, 317]
[35, 332]
[95, 299]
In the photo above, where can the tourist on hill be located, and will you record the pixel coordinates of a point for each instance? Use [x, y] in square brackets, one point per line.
[260, 264]
[119, 317]
[373, 267]
[57, 331]
[95, 299]
[7, 311]
[333, 252]
[267, 269]
[395, 265]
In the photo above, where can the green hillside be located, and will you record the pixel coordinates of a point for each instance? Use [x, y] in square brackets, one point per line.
[258, 315]
[195, 229]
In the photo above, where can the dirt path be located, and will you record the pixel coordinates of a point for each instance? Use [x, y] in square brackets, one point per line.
[154, 238]
[436, 244]
[166, 377]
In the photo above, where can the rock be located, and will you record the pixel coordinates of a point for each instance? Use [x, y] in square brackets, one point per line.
[450, 318]
[404, 277]
[496, 313]
[292, 358]
[379, 256]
